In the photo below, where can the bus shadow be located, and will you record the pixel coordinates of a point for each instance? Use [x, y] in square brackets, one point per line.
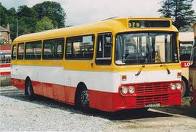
[180, 110]
[130, 114]
[49, 103]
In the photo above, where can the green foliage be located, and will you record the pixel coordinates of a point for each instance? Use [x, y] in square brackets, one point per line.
[43, 16]
[44, 24]
[52, 10]
[181, 11]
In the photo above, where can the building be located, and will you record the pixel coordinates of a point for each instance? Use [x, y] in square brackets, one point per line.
[4, 35]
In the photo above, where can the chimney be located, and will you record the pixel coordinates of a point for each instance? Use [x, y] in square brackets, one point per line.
[8, 28]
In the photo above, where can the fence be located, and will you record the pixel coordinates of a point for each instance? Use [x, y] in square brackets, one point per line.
[5, 74]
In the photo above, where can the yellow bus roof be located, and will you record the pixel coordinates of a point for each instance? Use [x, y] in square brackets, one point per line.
[108, 25]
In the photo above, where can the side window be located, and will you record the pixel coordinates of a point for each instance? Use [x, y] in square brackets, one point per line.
[20, 55]
[53, 49]
[194, 56]
[14, 52]
[104, 49]
[80, 47]
[33, 50]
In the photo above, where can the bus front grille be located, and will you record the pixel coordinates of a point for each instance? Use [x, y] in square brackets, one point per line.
[142, 101]
[152, 88]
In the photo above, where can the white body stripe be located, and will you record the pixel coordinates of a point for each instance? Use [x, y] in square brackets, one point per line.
[101, 81]
[5, 69]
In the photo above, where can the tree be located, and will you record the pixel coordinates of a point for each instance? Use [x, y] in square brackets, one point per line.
[43, 16]
[26, 20]
[3, 15]
[44, 24]
[181, 11]
[52, 10]
[11, 20]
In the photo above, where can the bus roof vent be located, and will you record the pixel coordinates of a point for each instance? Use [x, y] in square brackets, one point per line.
[109, 18]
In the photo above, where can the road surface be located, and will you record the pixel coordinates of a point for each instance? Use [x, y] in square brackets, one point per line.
[17, 113]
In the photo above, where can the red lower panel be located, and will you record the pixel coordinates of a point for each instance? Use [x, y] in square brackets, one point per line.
[114, 101]
[54, 91]
[37, 88]
[104, 101]
[5, 65]
[20, 84]
[5, 73]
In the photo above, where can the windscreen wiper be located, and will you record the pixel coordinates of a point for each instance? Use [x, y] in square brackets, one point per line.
[166, 67]
[163, 65]
[140, 70]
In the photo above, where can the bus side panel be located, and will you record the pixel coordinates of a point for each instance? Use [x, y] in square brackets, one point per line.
[20, 84]
[60, 93]
[37, 88]
[70, 94]
[100, 100]
[48, 90]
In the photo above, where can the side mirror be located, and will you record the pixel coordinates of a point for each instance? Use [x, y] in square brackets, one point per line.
[191, 62]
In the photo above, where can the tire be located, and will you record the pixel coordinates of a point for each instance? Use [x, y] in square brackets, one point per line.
[185, 90]
[82, 99]
[29, 89]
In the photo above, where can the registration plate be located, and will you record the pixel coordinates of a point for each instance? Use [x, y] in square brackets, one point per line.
[153, 105]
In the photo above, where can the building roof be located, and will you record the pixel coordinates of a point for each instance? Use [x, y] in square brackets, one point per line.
[2, 29]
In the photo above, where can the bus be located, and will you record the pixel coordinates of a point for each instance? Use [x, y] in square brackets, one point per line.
[186, 43]
[110, 65]
[192, 70]
[5, 58]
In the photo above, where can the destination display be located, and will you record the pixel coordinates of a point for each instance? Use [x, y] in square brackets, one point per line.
[148, 24]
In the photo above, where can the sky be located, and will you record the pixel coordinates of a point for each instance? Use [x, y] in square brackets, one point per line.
[85, 11]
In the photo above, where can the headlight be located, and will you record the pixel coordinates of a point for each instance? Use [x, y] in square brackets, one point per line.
[173, 86]
[131, 90]
[124, 90]
[178, 86]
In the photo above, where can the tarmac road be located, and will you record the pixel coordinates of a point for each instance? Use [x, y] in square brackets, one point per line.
[17, 113]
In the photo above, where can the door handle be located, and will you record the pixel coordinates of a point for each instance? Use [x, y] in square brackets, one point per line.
[92, 64]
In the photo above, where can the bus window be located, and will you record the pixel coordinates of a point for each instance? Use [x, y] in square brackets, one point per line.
[33, 50]
[14, 51]
[20, 55]
[80, 47]
[104, 49]
[53, 49]
[194, 57]
[185, 50]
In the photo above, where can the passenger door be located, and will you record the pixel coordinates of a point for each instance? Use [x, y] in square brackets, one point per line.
[104, 49]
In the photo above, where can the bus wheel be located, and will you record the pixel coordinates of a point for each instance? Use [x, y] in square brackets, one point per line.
[82, 101]
[185, 90]
[29, 89]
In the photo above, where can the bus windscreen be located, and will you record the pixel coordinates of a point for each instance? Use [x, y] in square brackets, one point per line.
[146, 48]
